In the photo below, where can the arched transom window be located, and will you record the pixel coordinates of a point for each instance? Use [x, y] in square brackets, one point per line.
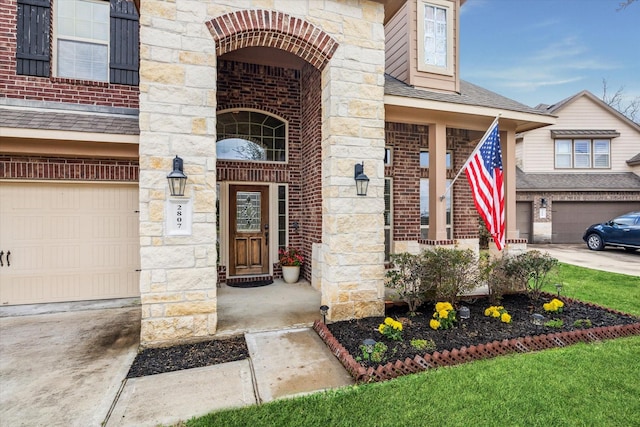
[251, 136]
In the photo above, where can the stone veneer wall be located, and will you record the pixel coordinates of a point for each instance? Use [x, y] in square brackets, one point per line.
[351, 255]
[177, 116]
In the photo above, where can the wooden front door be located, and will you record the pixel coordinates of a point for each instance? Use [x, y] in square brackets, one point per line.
[249, 229]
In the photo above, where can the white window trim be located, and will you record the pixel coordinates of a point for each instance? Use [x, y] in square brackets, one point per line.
[56, 36]
[592, 154]
[448, 6]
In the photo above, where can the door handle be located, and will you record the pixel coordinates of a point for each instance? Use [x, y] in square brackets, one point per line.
[8, 262]
[1, 253]
[266, 234]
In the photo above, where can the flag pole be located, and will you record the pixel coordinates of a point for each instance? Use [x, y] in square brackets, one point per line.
[473, 153]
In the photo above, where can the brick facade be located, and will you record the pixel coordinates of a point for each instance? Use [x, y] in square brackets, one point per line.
[269, 28]
[406, 142]
[52, 88]
[67, 169]
[279, 91]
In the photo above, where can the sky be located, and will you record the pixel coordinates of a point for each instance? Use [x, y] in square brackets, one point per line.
[543, 51]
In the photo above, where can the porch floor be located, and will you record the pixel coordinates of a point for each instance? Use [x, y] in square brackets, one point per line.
[280, 305]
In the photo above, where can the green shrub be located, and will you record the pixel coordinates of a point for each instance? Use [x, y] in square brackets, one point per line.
[531, 270]
[494, 273]
[451, 271]
[406, 279]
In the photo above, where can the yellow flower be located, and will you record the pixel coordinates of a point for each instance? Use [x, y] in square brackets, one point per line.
[495, 313]
[547, 306]
[557, 303]
[488, 311]
[389, 321]
[381, 328]
[506, 318]
[443, 314]
[434, 324]
[444, 306]
[397, 325]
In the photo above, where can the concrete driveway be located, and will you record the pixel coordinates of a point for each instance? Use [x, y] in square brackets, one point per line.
[614, 260]
[65, 369]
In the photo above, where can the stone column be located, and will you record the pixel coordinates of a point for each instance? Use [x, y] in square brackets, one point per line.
[352, 251]
[177, 117]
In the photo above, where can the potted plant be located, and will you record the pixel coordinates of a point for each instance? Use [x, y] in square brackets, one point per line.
[290, 260]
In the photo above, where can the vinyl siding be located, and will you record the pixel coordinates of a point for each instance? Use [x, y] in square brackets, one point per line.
[397, 45]
[537, 150]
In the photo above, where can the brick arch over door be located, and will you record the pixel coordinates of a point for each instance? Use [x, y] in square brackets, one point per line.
[267, 28]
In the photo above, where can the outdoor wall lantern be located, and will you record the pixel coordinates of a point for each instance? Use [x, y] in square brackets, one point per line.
[362, 180]
[464, 312]
[177, 179]
[543, 203]
[324, 309]
[369, 346]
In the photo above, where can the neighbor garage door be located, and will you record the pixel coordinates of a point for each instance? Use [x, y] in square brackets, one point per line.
[68, 242]
[570, 219]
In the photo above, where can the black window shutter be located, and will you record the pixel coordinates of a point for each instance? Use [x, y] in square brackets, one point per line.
[33, 51]
[125, 52]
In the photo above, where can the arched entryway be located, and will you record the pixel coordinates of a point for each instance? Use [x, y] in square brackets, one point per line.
[268, 141]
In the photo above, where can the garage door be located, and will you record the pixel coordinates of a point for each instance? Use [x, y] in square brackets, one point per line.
[523, 220]
[68, 242]
[570, 219]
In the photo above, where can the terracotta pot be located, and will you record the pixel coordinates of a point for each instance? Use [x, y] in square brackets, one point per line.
[291, 273]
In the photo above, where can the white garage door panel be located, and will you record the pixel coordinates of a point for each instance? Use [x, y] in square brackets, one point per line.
[68, 242]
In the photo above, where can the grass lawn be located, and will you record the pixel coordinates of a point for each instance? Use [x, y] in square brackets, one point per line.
[595, 384]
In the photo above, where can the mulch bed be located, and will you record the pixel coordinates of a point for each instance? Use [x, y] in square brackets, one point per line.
[472, 339]
[159, 360]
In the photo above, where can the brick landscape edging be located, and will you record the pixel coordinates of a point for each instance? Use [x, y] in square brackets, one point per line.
[474, 352]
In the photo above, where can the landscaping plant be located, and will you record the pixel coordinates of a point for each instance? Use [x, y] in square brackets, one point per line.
[406, 279]
[453, 272]
[532, 270]
[498, 312]
[553, 306]
[391, 329]
[443, 317]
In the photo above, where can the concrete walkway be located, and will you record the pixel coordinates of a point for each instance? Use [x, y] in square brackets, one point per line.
[69, 368]
[281, 364]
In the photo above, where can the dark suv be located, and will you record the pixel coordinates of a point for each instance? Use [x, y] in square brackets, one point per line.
[622, 231]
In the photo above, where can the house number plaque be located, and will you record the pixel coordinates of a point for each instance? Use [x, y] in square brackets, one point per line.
[179, 217]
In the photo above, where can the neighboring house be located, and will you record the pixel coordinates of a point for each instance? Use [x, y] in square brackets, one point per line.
[582, 170]
[271, 110]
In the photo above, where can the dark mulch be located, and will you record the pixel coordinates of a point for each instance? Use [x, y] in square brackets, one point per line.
[159, 360]
[478, 329]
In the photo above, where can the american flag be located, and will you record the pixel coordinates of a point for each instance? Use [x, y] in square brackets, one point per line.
[484, 173]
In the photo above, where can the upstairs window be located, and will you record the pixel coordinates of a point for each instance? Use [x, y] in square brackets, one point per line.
[583, 153]
[435, 36]
[82, 41]
[251, 136]
[93, 40]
